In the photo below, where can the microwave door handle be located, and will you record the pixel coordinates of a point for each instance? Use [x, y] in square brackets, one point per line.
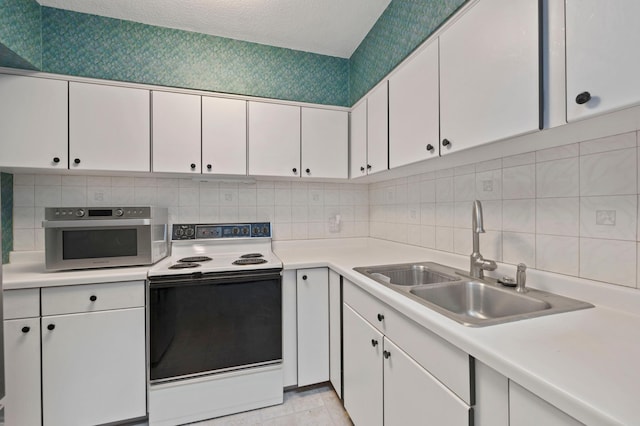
[91, 223]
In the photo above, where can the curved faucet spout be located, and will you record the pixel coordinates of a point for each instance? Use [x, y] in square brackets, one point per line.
[478, 264]
[477, 222]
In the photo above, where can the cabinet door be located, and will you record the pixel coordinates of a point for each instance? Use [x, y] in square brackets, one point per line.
[414, 109]
[489, 74]
[358, 144]
[378, 130]
[274, 139]
[176, 132]
[34, 122]
[325, 143]
[109, 128]
[289, 329]
[412, 395]
[22, 372]
[526, 409]
[335, 332]
[362, 358]
[93, 367]
[601, 56]
[224, 136]
[313, 325]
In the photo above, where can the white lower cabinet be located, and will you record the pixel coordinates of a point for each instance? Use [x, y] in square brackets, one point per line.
[335, 331]
[527, 409]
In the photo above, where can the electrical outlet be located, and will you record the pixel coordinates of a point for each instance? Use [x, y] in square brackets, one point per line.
[487, 185]
[606, 217]
[98, 196]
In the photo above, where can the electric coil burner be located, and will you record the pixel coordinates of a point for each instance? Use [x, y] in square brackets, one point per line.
[215, 323]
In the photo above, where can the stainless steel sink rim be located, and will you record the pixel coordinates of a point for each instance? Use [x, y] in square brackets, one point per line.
[534, 303]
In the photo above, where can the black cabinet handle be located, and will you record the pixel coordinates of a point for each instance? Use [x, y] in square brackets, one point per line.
[93, 298]
[308, 171]
[76, 161]
[429, 147]
[386, 354]
[380, 317]
[304, 277]
[362, 169]
[374, 342]
[368, 166]
[583, 98]
[294, 170]
[193, 166]
[26, 329]
[51, 326]
[446, 142]
[209, 166]
[56, 160]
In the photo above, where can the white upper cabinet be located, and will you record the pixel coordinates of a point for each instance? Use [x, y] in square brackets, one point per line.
[176, 132]
[274, 139]
[414, 114]
[489, 74]
[224, 136]
[109, 128]
[358, 145]
[602, 60]
[33, 119]
[378, 130]
[325, 143]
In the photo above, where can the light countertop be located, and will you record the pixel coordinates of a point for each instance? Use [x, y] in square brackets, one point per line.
[586, 363]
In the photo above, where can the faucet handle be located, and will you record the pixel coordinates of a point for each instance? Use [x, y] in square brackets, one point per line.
[521, 278]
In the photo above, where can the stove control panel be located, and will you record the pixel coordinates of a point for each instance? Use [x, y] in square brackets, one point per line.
[225, 230]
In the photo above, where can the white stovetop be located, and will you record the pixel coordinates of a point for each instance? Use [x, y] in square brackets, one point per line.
[586, 363]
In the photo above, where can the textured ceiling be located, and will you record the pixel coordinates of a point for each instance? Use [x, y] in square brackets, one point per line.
[328, 27]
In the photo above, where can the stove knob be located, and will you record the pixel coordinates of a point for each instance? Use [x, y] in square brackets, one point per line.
[265, 230]
[119, 212]
[190, 232]
[245, 231]
[79, 212]
[179, 232]
[235, 231]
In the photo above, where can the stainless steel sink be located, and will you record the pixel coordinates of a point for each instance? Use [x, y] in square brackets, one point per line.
[471, 302]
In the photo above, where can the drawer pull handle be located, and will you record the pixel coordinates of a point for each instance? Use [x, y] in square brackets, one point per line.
[374, 342]
[380, 317]
[583, 98]
[26, 329]
[76, 161]
[93, 298]
[386, 354]
[51, 326]
[304, 277]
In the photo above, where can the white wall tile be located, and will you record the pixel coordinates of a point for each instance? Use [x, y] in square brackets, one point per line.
[558, 254]
[117, 181]
[48, 180]
[519, 182]
[609, 173]
[229, 213]
[519, 215]
[428, 236]
[444, 238]
[299, 231]
[489, 185]
[463, 214]
[609, 217]
[465, 187]
[76, 196]
[98, 181]
[331, 197]
[24, 179]
[464, 170]
[444, 189]
[299, 213]
[23, 217]
[557, 153]
[121, 195]
[283, 214]
[99, 195]
[143, 195]
[24, 196]
[413, 214]
[168, 196]
[228, 197]
[189, 214]
[189, 196]
[413, 235]
[519, 160]
[428, 213]
[428, 191]
[610, 143]
[491, 245]
[247, 213]
[519, 248]
[489, 165]
[608, 260]
[558, 216]
[558, 178]
[48, 196]
[492, 215]
[24, 239]
[444, 214]
[208, 214]
[247, 196]
[76, 180]
[462, 241]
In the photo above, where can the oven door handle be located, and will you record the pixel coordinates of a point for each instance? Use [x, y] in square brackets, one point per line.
[220, 278]
[92, 223]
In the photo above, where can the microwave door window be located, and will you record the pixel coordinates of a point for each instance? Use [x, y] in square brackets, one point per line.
[91, 244]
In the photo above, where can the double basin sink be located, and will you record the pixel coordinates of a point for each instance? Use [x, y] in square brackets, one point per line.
[471, 302]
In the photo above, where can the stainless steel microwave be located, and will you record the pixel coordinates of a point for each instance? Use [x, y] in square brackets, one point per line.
[100, 237]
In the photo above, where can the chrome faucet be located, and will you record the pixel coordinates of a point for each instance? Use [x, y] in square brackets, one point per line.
[478, 264]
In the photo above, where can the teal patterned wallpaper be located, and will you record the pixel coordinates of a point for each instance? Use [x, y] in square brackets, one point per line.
[20, 33]
[399, 30]
[93, 46]
[6, 206]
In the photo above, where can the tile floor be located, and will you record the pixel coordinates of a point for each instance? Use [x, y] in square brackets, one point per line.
[309, 406]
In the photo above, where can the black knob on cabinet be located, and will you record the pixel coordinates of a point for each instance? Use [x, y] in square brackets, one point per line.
[26, 329]
[193, 166]
[380, 317]
[93, 298]
[583, 98]
[362, 169]
[429, 147]
[374, 342]
[386, 354]
[308, 171]
[76, 161]
[368, 166]
[209, 166]
[56, 160]
[304, 277]
[446, 142]
[294, 170]
[51, 326]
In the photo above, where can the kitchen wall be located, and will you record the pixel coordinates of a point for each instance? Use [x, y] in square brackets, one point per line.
[6, 214]
[402, 27]
[298, 210]
[20, 34]
[571, 210]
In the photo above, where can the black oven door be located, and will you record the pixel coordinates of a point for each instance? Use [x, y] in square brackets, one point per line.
[204, 324]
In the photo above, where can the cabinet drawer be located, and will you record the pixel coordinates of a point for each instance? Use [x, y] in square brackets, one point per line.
[92, 297]
[21, 303]
[453, 367]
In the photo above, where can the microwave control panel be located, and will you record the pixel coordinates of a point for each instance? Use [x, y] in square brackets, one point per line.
[92, 213]
[219, 231]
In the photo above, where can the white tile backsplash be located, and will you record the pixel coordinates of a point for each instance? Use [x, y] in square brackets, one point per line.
[558, 254]
[558, 216]
[558, 178]
[608, 260]
[609, 217]
[519, 182]
[609, 173]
